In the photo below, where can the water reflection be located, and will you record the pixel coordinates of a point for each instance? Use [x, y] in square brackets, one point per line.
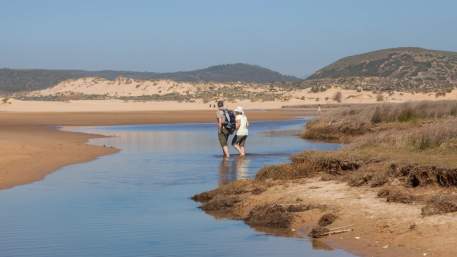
[321, 245]
[233, 169]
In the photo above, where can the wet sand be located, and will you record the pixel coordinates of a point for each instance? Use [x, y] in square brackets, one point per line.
[29, 153]
[32, 146]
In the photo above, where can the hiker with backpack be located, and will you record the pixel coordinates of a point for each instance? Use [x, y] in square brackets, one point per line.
[241, 126]
[226, 126]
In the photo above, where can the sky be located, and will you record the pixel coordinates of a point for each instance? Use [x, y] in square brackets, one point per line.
[292, 37]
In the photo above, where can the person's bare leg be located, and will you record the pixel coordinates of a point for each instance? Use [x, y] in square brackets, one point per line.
[237, 147]
[226, 151]
[242, 151]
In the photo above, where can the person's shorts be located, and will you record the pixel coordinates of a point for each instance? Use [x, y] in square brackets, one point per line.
[223, 136]
[239, 140]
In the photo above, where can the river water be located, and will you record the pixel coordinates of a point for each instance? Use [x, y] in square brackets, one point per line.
[137, 202]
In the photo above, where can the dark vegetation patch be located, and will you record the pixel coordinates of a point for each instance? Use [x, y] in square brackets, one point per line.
[308, 164]
[396, 195]
[277, 215]
[283, 172]
[235, 188]
[326, 162]
[440, 204]
[304, 207]
[319, 232]
[416, 176]
[221, 203]
[327, 219]
[273, 216]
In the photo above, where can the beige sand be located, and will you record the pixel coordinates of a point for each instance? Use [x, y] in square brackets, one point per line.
[132, 87]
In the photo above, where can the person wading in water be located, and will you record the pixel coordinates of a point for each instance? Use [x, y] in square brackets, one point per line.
[225, 126]
[242, 124]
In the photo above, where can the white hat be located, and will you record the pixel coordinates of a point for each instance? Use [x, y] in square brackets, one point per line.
[239, 109]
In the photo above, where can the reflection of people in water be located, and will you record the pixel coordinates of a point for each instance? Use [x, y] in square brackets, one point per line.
[242, 167]
[233, 169]
[224, 171]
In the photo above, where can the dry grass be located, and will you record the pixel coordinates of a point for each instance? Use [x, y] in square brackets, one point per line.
[423, 133]
[284, 172]
[410, 149]
[308, 164]
[441, 133]
[355, 121]
[413, 111]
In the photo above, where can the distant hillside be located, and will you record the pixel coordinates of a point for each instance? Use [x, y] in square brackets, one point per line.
[402, 69]
[14, 80]
[230, 73]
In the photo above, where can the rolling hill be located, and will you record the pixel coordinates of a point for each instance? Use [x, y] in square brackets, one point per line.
[15, 80]
[400, 69]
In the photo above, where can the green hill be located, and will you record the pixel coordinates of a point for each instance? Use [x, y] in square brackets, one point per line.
[14, 80]
[402, 69]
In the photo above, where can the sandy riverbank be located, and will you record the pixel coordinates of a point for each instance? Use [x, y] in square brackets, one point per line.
[31, 146]
[29, 153]
[294, 207]
[392, 189]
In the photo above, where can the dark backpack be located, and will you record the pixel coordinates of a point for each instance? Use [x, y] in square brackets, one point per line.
[229, 123]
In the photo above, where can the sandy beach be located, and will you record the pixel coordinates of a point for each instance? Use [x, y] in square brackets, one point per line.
[32, 146]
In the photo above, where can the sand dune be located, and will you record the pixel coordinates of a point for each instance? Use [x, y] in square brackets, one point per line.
[125, 94]
[125, 87]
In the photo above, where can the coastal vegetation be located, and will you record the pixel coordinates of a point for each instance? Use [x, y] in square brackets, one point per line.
[396, 147]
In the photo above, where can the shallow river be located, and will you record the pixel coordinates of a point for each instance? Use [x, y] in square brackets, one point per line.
[136, 202]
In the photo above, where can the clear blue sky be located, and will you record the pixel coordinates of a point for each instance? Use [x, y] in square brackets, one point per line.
[293, 37]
